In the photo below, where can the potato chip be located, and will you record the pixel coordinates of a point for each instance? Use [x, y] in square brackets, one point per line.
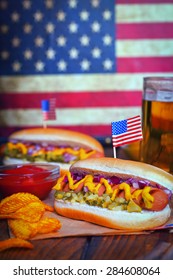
[15, 242]
[24, 212]
[14, 202]
[31, 212]
[26, 230]
[23, 229]
[48, 207]
[47, 225]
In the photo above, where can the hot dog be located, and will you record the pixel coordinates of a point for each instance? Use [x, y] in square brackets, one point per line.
[54, 145]
[115, 193]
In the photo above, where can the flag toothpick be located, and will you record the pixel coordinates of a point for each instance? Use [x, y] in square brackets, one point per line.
[126, 131]
[48, 110]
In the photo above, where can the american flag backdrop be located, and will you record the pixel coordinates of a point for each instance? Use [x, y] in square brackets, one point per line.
[90, 55]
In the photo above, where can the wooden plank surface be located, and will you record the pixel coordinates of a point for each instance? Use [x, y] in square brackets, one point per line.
[157, 245]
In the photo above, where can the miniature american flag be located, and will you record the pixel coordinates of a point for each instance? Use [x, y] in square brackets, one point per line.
[48, 109]
[126, 131]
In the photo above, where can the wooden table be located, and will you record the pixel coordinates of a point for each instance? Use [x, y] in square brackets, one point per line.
[155, 246]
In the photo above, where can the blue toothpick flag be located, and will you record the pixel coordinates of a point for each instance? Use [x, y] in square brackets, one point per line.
[48, 109]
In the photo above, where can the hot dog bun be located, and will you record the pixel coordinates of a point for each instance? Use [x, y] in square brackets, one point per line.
[56, 137]
[116, 220]
[122, 219]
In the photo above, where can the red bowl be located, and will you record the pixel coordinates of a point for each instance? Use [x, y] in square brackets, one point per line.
[35, 178]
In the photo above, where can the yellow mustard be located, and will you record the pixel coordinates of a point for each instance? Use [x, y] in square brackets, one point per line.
[84, 155]
[81, 153]
[19, 145]
[136, 194]
[126, 187]
[88, 181]
[147, 197]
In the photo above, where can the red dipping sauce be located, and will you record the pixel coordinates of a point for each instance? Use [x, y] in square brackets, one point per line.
[37, 179]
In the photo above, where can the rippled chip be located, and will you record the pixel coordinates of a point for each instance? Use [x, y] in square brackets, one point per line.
[31, 212]
[14, 202]
[26, 230]
[15, 242]
[24, 212]
[23, 229]
[48, 225]
[48, 207]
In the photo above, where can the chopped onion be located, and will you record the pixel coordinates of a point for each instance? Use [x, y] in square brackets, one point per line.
[85, 189]
[68, 157]
[97, 178]
[115, 180]
[76, 148]
[143, 183]
[50, 148]
[135, 185]
[14, 141]
[65, 179]
[77, 176]
[30, 151]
